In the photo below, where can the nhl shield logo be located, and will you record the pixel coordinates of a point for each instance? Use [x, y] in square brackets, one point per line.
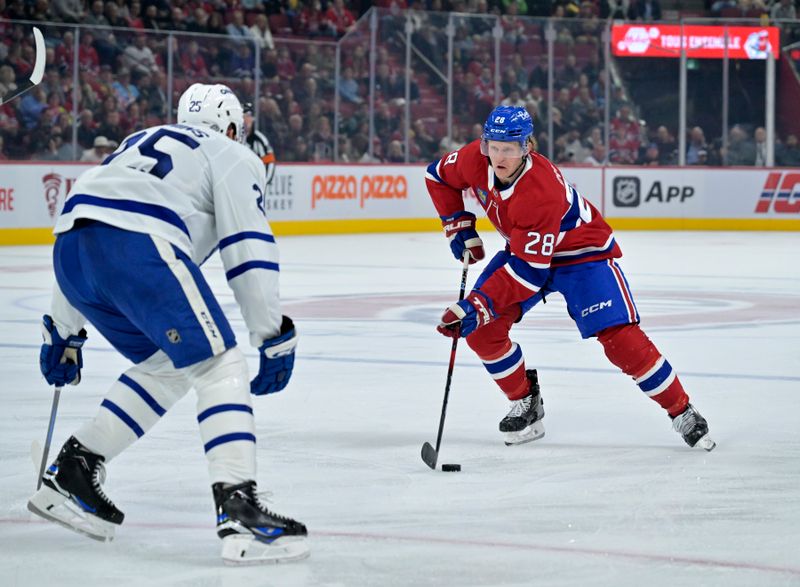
[173, 336]
[627, 192]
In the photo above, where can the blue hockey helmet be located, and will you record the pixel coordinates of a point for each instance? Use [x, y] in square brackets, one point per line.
[508, 124]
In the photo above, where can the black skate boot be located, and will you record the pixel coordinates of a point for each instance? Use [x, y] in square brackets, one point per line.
[693, 428]
[72, 493]
[251, 533]
[524, 422]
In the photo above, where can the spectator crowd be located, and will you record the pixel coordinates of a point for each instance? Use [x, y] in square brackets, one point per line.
[125, 50]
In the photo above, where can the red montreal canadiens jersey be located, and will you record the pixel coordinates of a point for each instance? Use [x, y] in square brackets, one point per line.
[544, 220]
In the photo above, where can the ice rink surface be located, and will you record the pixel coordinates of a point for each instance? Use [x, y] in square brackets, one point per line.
[610, 496]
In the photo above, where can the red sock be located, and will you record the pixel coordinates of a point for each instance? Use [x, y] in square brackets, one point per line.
[629, 349]
[502, 358]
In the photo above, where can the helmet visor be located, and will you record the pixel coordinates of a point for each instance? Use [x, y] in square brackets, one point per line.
[505, 149]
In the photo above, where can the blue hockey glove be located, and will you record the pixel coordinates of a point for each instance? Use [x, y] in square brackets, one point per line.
[277, 361]
[60, 358]
[466, 316]
[460, 231]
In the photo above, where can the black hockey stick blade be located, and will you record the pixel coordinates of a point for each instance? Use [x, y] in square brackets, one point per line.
[36, 75]
[429, 455]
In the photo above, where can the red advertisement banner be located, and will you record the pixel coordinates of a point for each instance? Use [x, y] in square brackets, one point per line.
[701, 42]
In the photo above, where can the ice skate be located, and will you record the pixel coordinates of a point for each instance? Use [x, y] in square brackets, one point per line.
[251, 534]
[693, 428]
[524, 422]
[72, 495]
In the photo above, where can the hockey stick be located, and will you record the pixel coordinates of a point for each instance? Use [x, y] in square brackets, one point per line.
[49, 438]
[36, 75]
[429, 454]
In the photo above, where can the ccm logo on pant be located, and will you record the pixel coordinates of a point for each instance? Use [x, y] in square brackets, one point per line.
[595, 308]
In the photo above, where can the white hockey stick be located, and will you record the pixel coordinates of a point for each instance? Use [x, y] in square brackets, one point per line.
[36, 75]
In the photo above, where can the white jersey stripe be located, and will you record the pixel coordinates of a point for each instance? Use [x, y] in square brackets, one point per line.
[192, 293]
[651, 370]
[623, 288]
[602, 247]
[666, 383]
[507, 268]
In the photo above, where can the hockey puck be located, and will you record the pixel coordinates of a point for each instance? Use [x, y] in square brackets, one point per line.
[451, 468]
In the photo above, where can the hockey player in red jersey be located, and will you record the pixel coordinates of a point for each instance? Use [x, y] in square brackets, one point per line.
[555, 241]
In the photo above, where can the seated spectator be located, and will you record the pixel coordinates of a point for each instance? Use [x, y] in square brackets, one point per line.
[597, 156]
[614, 9]
[125, 91]
[69, 10]
[787, 154]
[56, 111]
[237, 28]
[626, 121]
[568, 76]
[87, 129]
[192, 61]
[111, 128]
[88, 59]
[741, 150]
[428, 144]
[285, 63]
[31, 107]
[96, 17]
[348, 87]
[697, 142]
[310, 22]
[138, 57]
[647, 10]
[649, 156]
[216, 26]
[667, 146]
[339, 19]
[395, 153]
[260, 31]
[198, 23]
[153, 90]
[101, 148]
[624, 147]
[56, 149]
[7, 80]
[243, 62]
[574, 149]
[514, 99]
[134, 15]
[783, 10]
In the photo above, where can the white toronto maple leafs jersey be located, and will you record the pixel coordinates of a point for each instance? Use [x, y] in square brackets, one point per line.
[200, 191]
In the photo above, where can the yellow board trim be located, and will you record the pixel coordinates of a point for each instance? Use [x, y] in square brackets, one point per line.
[26, 236]
[44, 236]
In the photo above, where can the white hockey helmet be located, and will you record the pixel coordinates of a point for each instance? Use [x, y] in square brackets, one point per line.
[213, 106]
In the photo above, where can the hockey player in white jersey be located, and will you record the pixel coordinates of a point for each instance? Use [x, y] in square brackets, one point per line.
[130, 239]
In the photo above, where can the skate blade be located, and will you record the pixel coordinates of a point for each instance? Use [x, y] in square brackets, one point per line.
[706, 443]
[528, 434]
[245, 550]
[54, 507]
